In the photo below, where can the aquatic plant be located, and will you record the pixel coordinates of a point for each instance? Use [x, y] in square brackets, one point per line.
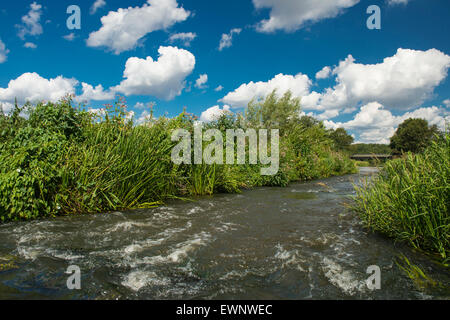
[420, 279]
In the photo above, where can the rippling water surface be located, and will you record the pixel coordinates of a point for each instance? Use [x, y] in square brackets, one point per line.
[270, 243]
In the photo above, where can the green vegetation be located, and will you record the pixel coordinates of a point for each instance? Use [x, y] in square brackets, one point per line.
[342, 140]
[362, 163]
[413, 135]
[361, 148]
[416, 274]
[409, 200]
[8, 262]
[343, 143]
[60, 160]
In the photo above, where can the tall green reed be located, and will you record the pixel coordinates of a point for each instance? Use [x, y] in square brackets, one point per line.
[410, 198]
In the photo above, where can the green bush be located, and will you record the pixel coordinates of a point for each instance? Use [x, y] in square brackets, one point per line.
[30, 173]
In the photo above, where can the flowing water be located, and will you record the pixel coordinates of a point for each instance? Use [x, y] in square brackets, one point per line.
[298, 242]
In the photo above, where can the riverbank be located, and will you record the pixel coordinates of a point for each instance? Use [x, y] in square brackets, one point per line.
[60, 160]
[409, 200]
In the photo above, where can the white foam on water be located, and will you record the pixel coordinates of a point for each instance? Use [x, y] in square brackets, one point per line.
[142, 245]
[133, 248]
[29, 253]
[324, 239]
[341, 278]
[37, 236]
[165, 215]
[136, 280]
[180, 254]
[234, 275]
[125, 226]
[129, 225]
[176, 255]
[423, 296]
[195, 210]
[139, 246]
[182, 251]
[63, 255]
[226, 227]
[303, 191]
[230, 256]
[311, 283]
[181, 290]
[289, 258]
[26, 244]
[226, 291]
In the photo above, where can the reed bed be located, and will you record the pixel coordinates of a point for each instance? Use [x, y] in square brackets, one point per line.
[409, 200]
[61, 160]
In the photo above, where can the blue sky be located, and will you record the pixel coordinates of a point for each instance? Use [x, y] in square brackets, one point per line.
[157, 51]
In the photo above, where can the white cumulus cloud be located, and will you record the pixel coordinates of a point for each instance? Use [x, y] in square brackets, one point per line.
[141, 105]
[97, 5]
[375, 124]
[70, 36]
[122, 29]
[185, 37]
[30, 45]
[90, 92]
[31, 22]
[299, 85]
[32, 87]
[98, 112]
[400, 82]
[3, 52]
[200, 83]
[214, 113]
[227, 38]
[291, 15]
[163, 78]
[394, 2]
[324, 73]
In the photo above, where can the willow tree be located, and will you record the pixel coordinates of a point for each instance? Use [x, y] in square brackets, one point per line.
[274, 112]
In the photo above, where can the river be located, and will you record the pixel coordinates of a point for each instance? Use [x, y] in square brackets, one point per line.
[298, 242]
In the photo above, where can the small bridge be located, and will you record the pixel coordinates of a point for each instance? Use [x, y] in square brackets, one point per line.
[367, 157]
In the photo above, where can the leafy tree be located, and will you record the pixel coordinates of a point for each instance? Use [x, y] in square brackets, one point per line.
[275, 113]
[225, 121]
[309, 122]
[413, 135]
[362, 148]
[342, 140]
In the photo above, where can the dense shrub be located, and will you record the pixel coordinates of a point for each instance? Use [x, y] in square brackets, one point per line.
[30, 174]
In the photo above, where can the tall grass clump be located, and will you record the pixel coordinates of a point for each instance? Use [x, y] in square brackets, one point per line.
[409, 200]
